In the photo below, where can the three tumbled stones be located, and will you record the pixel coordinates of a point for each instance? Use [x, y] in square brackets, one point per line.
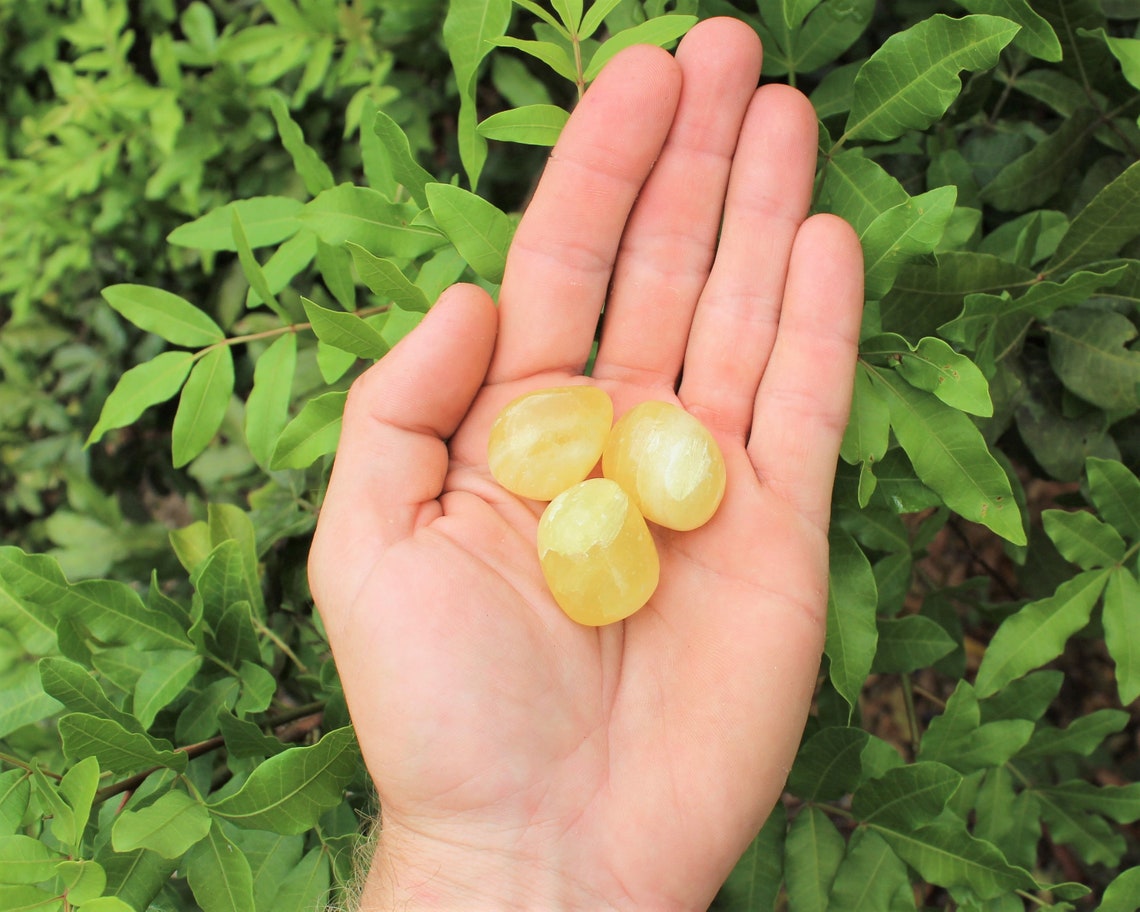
[595, 548]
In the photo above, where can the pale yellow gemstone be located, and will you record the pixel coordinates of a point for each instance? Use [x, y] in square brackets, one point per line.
[669, 464]
[545, 441]
[596, 553]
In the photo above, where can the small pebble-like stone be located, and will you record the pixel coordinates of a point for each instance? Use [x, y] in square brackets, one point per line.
[547, 440]
[669, 464]
[597, 554]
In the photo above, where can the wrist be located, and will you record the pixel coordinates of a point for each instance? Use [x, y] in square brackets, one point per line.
[410, 871]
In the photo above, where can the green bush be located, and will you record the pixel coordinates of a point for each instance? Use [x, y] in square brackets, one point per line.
[270, 195]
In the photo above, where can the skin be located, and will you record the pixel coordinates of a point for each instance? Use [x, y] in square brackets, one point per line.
[523, 761]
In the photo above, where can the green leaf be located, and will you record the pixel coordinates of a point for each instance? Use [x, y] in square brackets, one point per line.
[908, 643]
[1007, 818]
[480, 231]
[1038, 632]
[934, 366]
[306, 886]
[994, 325]
[812, 854]
[203, 404]
[117, 749]
[165, 314]
[947, 855]
[246, 739]
[553, 55]
[76, 688]
[901, 233]
[469, 31]
[112, 611]
[755, 881]
[1116, 493]
[1082, 736]
[223, 578]
[1025, 698]
[832, 27]
[219, 874]
[387, 281]
[346, 331]
[868, 431]
[661, 31]
[258, 283]
[860, 189]
[1083, 539]
[1108, 222]
[1036, 37]
[314, 172]
[1123, 894]
[168, 827]
[24, 860]
[289, 792]
[926, 296]
[532, 125]
[286, 263]
[15, 795]
[1121, 613]
[1093, 838]
[1125, 50]
[267, 220]
[1030, 180]
[851, 632]
[911, 80]
[871, 878]
[907, 796]
[1118, 802]
[160, 685]
[25, 701]
[267, 408]
[957, 738]
[595, 15]
[1089, 352]
[365, 217]
[570, 12]
[405, 168]
[828, 765]
[141, 387]
[25, 898]
[312, 434]
[951, 457]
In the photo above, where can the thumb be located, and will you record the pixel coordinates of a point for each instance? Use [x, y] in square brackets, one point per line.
[392, 456]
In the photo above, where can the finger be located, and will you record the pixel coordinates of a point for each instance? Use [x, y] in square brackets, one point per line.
[665, 254]
[805, 396]
[560, 260]
[736, 318]
[392, 459]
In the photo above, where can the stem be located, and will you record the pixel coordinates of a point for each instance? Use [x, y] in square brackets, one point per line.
[27, 767]
[278, 331]
[911, 715]
[576, 43]
[280, 644]
[194, 751]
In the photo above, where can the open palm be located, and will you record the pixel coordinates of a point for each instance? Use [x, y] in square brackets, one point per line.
[521, 759]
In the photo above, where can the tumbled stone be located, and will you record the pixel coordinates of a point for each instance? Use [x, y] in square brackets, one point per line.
[547, 440]
[597, 554]
[669, 464]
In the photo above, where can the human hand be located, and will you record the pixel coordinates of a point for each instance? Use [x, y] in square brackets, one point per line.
[522, 760]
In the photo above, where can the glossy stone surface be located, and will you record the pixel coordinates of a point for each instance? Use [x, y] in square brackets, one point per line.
[669, 464]
[596, 553]
[545, 441]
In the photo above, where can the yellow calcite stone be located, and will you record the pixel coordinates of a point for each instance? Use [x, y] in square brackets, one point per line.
[669, 464]
[596, 552]
[547, 440]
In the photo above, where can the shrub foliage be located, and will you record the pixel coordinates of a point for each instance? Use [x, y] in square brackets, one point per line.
[216, 215]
